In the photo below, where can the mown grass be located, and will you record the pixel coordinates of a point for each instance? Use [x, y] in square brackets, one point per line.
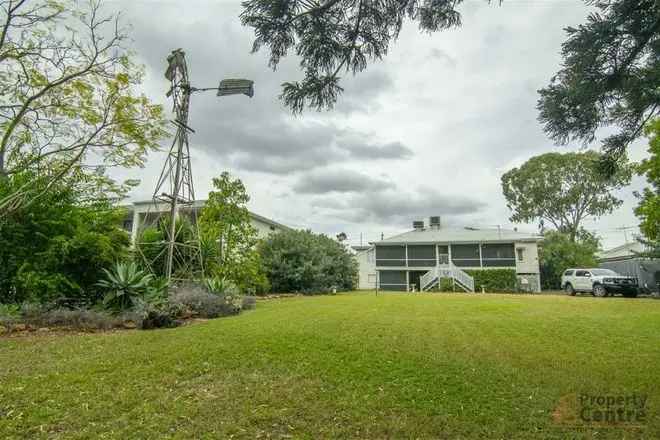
[346, 366]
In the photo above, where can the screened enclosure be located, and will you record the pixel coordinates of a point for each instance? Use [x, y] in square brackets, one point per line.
[390, 256]
[393, 280]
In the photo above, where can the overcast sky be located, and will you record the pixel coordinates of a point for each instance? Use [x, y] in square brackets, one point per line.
[427, 131]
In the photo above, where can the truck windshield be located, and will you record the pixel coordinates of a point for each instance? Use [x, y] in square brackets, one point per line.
[603, 272]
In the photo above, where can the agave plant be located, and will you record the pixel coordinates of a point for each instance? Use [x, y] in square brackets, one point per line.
[126, 285]
[221, 286]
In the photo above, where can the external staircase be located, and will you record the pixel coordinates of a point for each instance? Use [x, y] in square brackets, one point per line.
[432, 278]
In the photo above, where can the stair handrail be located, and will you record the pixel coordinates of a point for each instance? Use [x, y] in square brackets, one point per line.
[463, 277]
[427, 279]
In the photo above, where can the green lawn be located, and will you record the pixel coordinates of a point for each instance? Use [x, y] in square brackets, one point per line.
[345, 366]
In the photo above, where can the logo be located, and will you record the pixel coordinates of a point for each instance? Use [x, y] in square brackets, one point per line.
[601, 410]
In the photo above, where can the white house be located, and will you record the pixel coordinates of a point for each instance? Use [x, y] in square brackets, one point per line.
[138, 211]
[419, 258]
[366, 258]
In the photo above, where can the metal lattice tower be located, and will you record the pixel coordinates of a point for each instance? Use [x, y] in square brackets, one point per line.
[172, 216]
[168, 240]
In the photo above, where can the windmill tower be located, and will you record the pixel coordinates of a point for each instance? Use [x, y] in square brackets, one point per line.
[168, 240]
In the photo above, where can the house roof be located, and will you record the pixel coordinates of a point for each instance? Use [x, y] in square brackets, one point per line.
[625, 251]
[459, 235]
[201, 203]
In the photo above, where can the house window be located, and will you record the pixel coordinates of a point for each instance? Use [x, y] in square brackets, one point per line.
[421, 255]
[498, 255]
[465, 255]
[520, 252]
[390, 255]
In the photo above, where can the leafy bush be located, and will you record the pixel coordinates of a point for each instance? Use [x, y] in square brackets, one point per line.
[301, 261]
[10, 310]
[55, 248]
[126, 286]
[193, 301]
[161, 316]
[494, 280]
[446, 285]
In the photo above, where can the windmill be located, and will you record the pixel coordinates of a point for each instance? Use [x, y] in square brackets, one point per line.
[168, 240]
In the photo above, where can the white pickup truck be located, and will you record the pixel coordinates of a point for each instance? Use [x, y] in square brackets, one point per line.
[598, 282]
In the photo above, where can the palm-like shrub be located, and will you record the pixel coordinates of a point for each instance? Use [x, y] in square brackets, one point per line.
[126, 285]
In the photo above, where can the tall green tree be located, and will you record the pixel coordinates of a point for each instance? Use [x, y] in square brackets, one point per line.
[609, 77]
[67, 93]
[228, 237]
[562, 189]
[558, 252]
[648, 209]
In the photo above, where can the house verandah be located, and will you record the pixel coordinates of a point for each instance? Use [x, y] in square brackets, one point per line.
[401, 266]
[416, 260]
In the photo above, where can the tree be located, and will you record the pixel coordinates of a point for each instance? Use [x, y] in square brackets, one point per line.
[559, 251]
[301, 261]
[56, 248]
[562, 189]
[648, 209]
[67, 97]
[334, 35]
[228, 237]
[609, 77]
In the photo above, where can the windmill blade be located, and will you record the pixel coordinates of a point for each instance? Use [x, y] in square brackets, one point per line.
[236, 87]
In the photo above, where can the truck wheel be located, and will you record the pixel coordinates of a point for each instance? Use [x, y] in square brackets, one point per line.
[600, 291]
[568, 288]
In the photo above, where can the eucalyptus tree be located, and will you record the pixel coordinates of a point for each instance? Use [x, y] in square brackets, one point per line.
[563, 190]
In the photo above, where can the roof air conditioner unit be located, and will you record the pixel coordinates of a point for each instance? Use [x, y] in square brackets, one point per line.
[434, 221]
[418, 225]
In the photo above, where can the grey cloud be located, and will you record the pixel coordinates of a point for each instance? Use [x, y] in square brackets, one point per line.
[392, 150]
[361, 92]
[256, 134]
[341, 181]
[443, 56]
[398, 207]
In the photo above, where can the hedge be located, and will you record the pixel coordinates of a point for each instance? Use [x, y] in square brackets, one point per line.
[494, 280]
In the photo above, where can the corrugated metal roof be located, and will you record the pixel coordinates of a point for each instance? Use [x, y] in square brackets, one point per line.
[620, 252]
[460, 235]
[200, 204]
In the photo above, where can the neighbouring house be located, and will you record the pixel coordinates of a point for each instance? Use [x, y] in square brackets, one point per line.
[418, 259]
[625, 260]
[366, 258]
[138, 212]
